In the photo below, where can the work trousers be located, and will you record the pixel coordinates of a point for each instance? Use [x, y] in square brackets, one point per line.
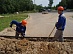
[58, 36]
[17, 35]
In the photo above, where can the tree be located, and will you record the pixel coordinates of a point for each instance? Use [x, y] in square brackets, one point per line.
[50, 3]
[63, 3]
[11, 6]
[39, 8]
[68, 4]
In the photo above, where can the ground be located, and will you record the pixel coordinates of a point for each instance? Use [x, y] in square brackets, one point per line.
[37, 27]
[13, 46]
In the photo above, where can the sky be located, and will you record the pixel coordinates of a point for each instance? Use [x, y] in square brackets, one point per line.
[46, 2]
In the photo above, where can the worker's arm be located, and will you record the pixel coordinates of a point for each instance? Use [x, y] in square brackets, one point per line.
[14, 22]
[59, 23]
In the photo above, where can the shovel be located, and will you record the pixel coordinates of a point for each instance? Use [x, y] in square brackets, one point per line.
[51, 33]
[17, 32]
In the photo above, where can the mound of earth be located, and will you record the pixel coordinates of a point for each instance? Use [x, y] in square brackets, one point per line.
[24, 46]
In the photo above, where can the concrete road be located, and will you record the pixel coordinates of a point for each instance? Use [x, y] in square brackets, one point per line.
[40, 25]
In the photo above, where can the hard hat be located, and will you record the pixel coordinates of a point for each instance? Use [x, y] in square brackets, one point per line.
[24, 22]
[60, 8]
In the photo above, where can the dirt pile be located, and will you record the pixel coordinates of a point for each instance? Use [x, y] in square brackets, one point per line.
[13, 46]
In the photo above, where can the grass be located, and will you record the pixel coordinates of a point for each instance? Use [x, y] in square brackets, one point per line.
[5, 21]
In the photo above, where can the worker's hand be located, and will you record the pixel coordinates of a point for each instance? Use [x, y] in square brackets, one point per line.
[55, 24]
[23, 34]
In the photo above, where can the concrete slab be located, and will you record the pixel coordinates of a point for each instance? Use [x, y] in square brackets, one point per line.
[40, 25]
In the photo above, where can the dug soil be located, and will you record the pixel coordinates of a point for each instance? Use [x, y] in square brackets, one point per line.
[24, 46]
[10, 45]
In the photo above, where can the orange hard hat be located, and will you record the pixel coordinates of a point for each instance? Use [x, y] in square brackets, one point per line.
[24, 22]
[60, 8]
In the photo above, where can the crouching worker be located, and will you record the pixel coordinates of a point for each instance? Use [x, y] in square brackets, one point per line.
[20, 28]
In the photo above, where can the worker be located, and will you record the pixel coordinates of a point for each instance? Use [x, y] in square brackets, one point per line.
[60, 25]
[20, 28]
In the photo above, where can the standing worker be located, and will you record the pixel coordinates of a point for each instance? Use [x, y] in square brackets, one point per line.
[20, 28]
[60, 25]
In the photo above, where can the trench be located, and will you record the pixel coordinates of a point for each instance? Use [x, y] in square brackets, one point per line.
[45, 39]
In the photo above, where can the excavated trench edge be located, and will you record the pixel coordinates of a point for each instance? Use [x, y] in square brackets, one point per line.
[47, 39]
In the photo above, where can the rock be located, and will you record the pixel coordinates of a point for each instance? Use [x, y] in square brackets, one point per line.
[22, 45]
[65, 52]
[2, 52]
[15, 46]
[1, 46]
[15, 52]
[9, 52]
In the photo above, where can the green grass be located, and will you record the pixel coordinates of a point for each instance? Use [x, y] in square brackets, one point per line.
[5, 21]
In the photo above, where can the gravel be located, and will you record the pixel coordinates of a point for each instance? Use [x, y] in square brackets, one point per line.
[24, 46]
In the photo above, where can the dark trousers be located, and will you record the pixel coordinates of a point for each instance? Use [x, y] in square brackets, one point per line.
[17, 35]
[58, 35]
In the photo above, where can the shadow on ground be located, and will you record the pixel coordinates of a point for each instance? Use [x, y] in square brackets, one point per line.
[48, 39]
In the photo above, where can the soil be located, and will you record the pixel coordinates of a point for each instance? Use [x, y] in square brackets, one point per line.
[24, 46]
[10, 45]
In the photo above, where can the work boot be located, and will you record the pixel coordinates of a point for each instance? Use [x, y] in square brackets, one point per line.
[23, 35]
[16, 35]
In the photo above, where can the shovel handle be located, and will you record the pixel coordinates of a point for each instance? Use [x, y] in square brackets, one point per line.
[51, 32]
[16, 31]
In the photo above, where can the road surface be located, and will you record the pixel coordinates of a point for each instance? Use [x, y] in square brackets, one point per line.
[40, 25]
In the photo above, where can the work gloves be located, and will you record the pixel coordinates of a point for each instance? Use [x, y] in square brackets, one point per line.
[55, 24]
[23, 35]
[11, 25]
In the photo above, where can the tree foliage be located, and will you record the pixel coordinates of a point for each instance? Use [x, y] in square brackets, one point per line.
[39, 8]
[11, 6]
[50, 3]
[68, 4]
